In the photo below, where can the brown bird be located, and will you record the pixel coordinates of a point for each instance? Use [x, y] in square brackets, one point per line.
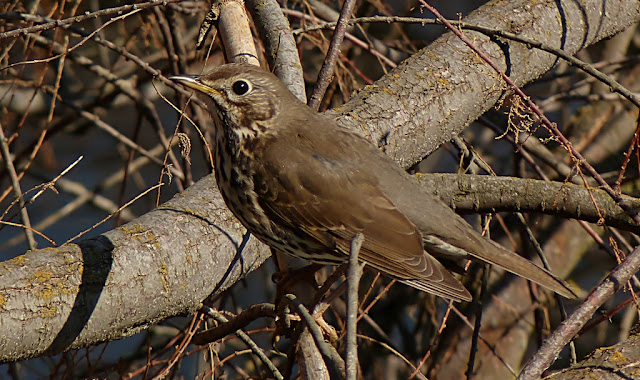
[306, 187]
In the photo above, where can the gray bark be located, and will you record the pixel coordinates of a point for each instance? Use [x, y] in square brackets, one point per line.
[436, 93]
[162, 264]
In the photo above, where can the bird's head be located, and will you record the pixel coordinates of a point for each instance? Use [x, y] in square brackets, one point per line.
[242, 97]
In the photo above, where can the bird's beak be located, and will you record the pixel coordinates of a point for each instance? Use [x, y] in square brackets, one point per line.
[192, 81]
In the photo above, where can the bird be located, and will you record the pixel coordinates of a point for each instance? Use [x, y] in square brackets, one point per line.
[306, 187]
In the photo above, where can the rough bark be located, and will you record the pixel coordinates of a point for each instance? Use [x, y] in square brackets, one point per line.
[162, 264]
[618, 362]
[436, 93]
[486, 194]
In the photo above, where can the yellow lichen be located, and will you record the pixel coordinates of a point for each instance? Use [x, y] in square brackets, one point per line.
[131, 229]
[43, 275]
[618, 358]
[47, 311]
[45, 293]
[164, 271]
[19, 260]
[165, 284]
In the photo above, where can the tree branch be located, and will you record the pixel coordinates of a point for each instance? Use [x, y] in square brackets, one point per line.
[486, 194]
[119, 283]
[436, 93]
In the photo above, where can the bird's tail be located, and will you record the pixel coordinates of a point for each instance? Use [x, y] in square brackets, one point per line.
[490, 252]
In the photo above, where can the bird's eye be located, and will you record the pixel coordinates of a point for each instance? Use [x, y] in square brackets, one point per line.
[241, 87]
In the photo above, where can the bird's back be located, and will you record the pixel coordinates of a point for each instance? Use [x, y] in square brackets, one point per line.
[445, 234]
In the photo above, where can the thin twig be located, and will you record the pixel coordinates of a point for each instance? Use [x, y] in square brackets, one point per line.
[2, 222]
[627, 156]
[329, 64]
[47, 23]
[475, 337]
[142, 102]
[490, 346]
[70, 50]
[177, 355]
[247, 340]
[353, 280]
[397, 354]
[241, 320]
[545, 263]
[334, 365]
[552, 346]
[117, 211]
[84, 195]
[53, 181]
[17, 191]
[371, 48]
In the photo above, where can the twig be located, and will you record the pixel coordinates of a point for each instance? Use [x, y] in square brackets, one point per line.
[353, 279]
[145, 66]
[2, 222]
[195, 322]
[247, 340]
[536, 245]
[142, 102]
[52, 183]
[475, 337]
[51, 24]
[241, 320]
[490, 346]
[67, 50]
[371, 48]
[25, 167]
[326, 71]
[84, 195]
[627, 156]
[416, 370]
[552, 346]
[335, 365]
[397, 354]
[17, 191]
[117, 211]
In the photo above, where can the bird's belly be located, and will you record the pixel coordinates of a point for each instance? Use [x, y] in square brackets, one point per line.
[238, 191]
[281, 238]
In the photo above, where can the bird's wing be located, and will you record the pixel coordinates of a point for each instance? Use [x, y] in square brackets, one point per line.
[331, 200]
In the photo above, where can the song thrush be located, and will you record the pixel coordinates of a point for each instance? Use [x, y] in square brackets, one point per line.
[305, 186]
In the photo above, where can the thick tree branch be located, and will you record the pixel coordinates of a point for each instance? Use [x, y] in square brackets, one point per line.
[109, 287]
[282, 52]
[175, 256]
[486, 194]
[433, 95]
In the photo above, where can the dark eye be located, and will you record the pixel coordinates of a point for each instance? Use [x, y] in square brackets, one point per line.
[240, 87]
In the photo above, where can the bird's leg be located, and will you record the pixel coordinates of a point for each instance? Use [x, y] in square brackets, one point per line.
[285, 277]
